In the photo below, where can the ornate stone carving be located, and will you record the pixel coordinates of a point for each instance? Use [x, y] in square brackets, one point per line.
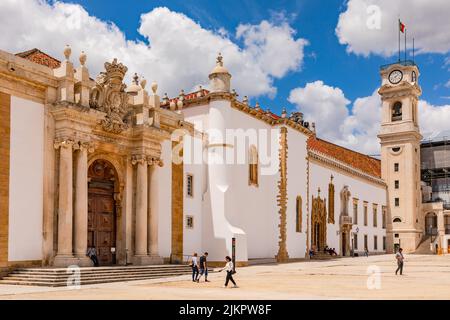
[63, 143]
[331, 201]
[138, 158]
[109, 96]
[318, 223]
[282, 255]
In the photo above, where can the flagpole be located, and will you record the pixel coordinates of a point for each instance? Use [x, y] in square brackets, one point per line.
[398, 27]
[413, 52]
[405, 45]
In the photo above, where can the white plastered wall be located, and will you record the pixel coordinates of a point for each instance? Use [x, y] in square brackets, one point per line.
[26, 180]
[362, 190]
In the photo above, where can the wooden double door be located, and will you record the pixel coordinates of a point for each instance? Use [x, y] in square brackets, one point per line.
[102, 212]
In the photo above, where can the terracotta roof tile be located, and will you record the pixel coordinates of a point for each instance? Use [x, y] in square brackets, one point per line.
[37, 56]
[352, 158]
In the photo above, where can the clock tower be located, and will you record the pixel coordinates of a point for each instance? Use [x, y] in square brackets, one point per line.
[400, 154]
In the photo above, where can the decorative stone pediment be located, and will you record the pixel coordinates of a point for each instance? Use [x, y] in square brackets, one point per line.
[109, 96]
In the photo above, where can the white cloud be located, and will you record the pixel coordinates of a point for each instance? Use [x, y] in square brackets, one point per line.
[433, 119]
[428, 21]
[358, 129]
[324, 105]
[181, 53]
[264, 42]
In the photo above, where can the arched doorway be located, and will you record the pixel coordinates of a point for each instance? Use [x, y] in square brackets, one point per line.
[431, 224]
[102, 211]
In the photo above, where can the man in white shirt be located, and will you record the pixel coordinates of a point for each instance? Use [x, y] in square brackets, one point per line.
[399, 257]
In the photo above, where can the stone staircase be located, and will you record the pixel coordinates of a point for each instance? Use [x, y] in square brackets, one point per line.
[60, 277]
[424, 246]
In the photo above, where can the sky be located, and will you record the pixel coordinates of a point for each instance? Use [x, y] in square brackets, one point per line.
[320, 57]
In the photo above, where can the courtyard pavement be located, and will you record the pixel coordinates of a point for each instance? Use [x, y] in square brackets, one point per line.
[424, 277]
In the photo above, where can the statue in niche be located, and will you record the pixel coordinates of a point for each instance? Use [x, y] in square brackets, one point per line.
[345, 197]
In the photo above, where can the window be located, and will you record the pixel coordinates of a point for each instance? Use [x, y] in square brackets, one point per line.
[190, 185]
[355, 241]
[384, 243]
[396, 167]
[253, 166]
[355, 211]
[375, 243]
[396, 184]
[375, 213]
[298, 214]
[397, 202]
[397, 220]
[396, 235]
[447, 224]
[365, 242]
[365, 213]
[397, 111]
[383, 217]
[189, 222]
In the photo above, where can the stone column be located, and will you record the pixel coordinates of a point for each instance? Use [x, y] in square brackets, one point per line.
[141, 210]
[441, 231]
[65, 209]
[153, 213]
[81, 205]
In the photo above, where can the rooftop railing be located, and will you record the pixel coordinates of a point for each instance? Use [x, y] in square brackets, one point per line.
[403, 63]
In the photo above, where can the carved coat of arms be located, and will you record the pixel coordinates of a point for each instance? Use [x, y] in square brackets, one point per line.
[109, 96]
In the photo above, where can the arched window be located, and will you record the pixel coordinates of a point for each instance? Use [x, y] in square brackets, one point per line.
[397, 220]
[298, 214]
[397, 111]
[253, 166]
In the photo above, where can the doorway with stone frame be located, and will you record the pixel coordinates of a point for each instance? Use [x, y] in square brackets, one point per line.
[102, 211]
[318, 223]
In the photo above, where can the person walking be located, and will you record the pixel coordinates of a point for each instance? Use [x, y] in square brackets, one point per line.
[399, 257]
[366, 252]
[194, 266]
[203, 267]
[229, 268]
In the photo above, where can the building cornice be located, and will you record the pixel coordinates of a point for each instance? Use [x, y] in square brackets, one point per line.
[320, 157]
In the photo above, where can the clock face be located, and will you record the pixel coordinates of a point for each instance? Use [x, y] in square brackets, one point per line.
[395, 76]
[413, 76]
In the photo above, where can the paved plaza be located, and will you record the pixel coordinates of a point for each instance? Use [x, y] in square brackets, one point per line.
[425, 277]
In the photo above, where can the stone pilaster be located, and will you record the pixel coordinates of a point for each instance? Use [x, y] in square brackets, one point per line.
[141, 207]
[5, 127]
[177, 207]
[282, 254]
[65, 209]
[81, 204]
[153, 196]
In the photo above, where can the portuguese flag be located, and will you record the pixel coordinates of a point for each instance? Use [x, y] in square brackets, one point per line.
[401, 26]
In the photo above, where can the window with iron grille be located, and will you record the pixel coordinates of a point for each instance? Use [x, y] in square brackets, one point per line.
[190, 185]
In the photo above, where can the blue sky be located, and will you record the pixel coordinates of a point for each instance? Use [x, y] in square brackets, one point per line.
[325, 59]
[321, 57]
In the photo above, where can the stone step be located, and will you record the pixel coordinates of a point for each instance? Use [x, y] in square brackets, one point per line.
[55, 277]
[82, 282]
[92, 276]
[257, 261]
[100, 271]
[63, 270]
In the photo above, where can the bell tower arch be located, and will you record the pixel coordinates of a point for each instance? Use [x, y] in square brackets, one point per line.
[400, 153]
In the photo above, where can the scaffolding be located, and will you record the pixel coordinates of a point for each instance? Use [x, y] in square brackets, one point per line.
[435, 166]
